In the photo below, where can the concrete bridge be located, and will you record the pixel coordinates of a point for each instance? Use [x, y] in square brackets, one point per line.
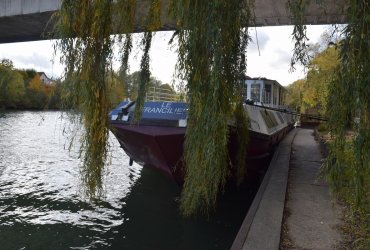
[25, 20]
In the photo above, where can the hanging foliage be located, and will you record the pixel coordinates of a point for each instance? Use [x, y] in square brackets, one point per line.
[300, 55]
[86, 46]
[212, 63]
[349, 109]
[348, 103]
[212, 40]
[87, 51]
[153, 24]
[347, 167]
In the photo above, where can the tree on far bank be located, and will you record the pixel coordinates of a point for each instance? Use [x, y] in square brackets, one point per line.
[11, 85]
[36, 96]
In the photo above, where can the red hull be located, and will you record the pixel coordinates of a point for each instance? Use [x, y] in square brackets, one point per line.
[161, 147]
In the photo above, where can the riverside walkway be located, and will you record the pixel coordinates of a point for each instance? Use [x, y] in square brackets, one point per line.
[291, 187]
[314, 217]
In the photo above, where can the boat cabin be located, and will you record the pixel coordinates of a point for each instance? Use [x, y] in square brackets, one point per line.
[263, 91]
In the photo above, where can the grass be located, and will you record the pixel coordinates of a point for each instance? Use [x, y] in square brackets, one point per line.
[356, 226]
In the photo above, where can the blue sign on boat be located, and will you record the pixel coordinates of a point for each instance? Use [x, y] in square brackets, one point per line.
[165, 110]
[158, 110]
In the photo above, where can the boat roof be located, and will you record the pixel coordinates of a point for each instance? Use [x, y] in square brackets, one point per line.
[265, 80]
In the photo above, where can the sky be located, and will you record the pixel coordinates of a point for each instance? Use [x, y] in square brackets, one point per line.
[271, 60]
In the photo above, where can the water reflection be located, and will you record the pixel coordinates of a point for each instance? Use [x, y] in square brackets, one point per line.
[41, 206]
[154, 222]
[40, 200]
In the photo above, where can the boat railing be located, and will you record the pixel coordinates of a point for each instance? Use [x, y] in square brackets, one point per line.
[163, 94]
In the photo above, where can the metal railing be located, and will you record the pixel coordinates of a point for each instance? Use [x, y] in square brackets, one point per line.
[163, 94]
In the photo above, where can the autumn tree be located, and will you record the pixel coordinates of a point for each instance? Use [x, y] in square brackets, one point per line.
[55, 100]
[27, 74]
[320, 73]
[23, 89]
[295, 94]
[37, 97]
[312, 92]
[11, 85]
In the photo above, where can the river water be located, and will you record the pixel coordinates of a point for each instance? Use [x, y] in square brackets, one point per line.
[41, 205]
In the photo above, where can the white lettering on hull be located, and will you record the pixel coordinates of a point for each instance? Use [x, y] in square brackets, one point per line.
[164, 109]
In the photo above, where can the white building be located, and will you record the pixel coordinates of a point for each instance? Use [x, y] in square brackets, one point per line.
[45, 79]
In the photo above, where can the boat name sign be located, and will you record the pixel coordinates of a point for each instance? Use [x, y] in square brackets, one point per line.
[165, 110]
[158, 110]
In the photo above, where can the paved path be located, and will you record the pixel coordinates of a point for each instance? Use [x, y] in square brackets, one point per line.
[261, 227]
[313, 217]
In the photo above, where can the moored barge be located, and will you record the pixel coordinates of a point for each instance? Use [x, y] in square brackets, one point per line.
[157, 139]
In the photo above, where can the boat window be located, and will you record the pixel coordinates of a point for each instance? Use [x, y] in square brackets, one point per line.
[269, 118]
[272, 117]
[267, 94]
[274, 96]
[255, 92]
[280, 117]
[280, 97]
[245, 94]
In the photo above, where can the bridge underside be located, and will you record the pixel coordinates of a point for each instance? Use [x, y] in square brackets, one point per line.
[20, 21]
[24, 28]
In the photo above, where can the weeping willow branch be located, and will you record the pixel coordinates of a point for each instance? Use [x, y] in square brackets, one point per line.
[297, 8]
[144, 75]
[211, 60]
[212, 46]
[349, 108]
[153, 23]
[86, 50]
[241, 119]
[126, 25]
[125, 54]
[86, 45]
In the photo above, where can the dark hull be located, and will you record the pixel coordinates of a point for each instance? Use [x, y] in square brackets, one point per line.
[161, 147]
